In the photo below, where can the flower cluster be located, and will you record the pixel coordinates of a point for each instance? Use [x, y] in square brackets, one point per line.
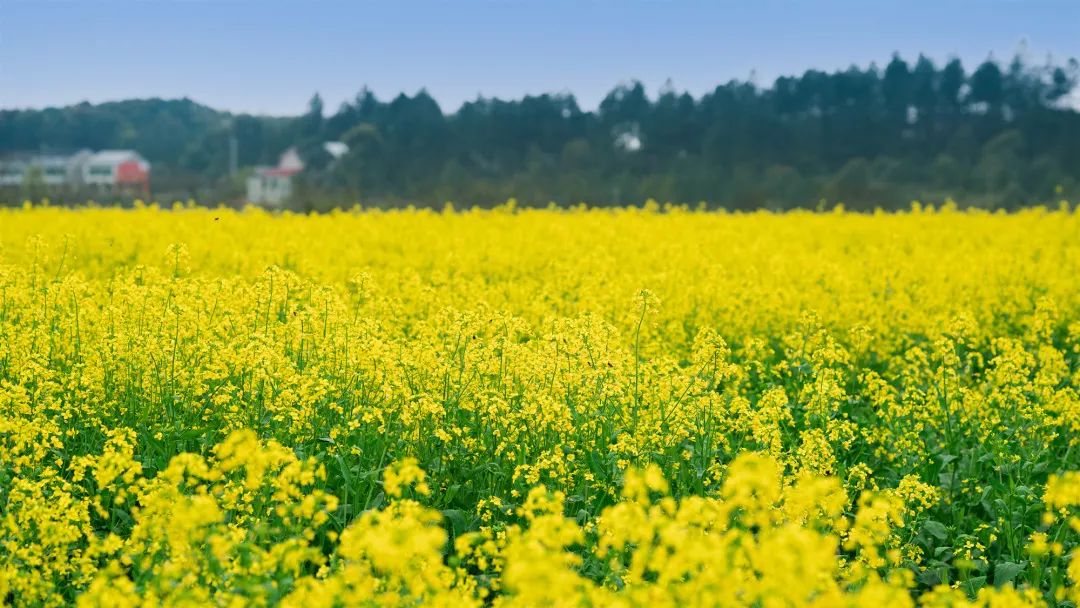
[521, 407]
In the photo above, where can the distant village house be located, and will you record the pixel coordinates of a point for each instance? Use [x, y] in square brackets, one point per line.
[273, 186]
[106, 171]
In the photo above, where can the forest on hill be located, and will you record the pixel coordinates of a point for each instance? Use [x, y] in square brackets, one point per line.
[999, 135]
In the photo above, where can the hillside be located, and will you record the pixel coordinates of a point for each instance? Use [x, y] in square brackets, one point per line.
[998, 135]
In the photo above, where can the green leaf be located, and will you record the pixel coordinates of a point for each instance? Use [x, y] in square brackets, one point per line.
[936, 529]
[1006, 572]
[458, 521]
[930, 578]
[973, 584]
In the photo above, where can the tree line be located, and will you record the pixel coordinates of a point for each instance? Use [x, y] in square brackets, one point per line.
[1000, 135]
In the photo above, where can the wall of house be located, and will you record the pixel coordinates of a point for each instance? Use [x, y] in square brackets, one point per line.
[270, 190]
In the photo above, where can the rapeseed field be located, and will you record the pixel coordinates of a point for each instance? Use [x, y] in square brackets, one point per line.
[651, 406]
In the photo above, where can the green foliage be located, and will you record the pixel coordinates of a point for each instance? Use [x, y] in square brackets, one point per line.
[998, 137]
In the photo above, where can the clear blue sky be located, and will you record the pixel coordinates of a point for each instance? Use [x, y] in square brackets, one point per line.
[269, 56]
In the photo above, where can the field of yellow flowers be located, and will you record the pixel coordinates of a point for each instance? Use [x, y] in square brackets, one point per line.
[640, 407]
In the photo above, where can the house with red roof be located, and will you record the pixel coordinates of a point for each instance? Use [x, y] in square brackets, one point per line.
[116, 171]
[272, 186]
[105, 171]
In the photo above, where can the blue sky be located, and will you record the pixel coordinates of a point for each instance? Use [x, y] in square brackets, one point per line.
[269, 56]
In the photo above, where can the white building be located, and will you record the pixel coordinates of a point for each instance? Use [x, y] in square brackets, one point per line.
[108, 170]
[51, 170]
[273, 186]
[337, 149]
[270, 186]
